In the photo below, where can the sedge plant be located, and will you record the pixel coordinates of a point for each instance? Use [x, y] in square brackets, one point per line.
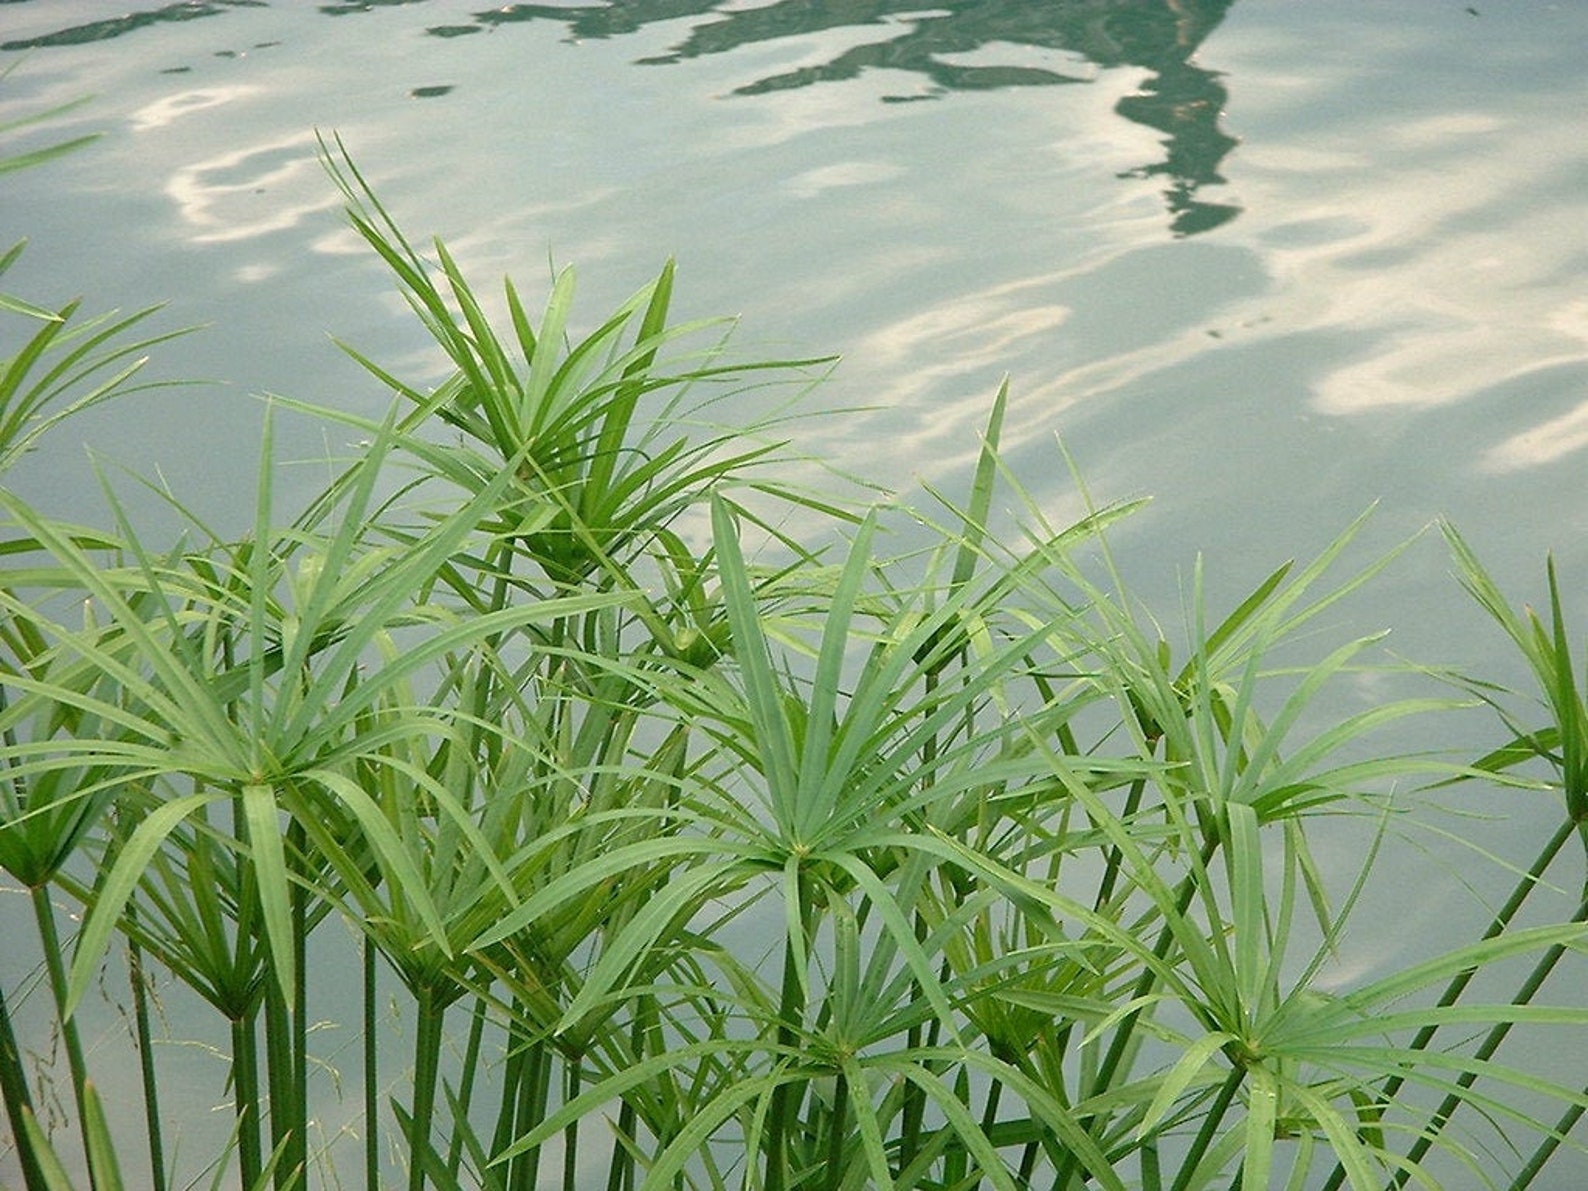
[907, 852]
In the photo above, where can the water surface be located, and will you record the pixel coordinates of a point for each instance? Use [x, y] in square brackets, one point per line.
[1270, 263]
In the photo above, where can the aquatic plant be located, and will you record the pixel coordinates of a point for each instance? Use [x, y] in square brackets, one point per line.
[703, 852]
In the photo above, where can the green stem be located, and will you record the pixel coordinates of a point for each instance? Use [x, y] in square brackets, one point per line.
[912, 1113]
[151, 1090]
[1525, 885]
[1210, 1128]
[15, 1089]
[533, 1094]
[297, 843]
[1144, 985]
[371, 1082]
[620, 1174]
[1115, 858]
[791, 1007]
[428, 1014]
[1028, 1162]
[287, 1040]
[989, 1115]
[512, 1076]
[1546, 1148]
[837, 1131]
[245, 1090]
[245, 1052]
[45, 914]
[570, 1135]
[280, 1068]
[471, 1063]
[1491, 1043]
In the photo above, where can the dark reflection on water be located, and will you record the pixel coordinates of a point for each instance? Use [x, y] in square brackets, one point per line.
[115, 26]
[1180, 100]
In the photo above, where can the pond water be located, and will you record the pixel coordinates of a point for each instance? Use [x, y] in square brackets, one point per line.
[1269, 263]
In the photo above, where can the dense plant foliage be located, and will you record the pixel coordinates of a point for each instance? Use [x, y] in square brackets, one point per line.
[716, 853]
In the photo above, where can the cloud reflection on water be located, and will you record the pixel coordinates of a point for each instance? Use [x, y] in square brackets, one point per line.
[251, 191]
[1437, 243]
[927, 53]
[171, 108]
[1542, 444]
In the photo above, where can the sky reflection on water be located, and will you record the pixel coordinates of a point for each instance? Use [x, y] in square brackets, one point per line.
[1391, 238]
[958, 45]
[1267, 263]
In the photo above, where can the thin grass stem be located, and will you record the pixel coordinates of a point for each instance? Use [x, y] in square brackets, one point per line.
[989, 1115]
[297, 847]
[280, 1078]
[13, 1084]
[44, 913]
[1547, 1147]
[620, 1172]
[1114, 858]
[513, 1072]
[572, 1079]
[1209, 1129]
[791, 1004]
[465, 1096]
[151, 1088]
[371, 1073]
[836, 1125]
[532, 1110]
[1144, 985]
[1457, 985]
[1491, 1043]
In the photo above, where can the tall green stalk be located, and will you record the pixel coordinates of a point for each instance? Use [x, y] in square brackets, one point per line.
[247, 1096]
[429, 1020]
[1551, 1142]
[44, 915]
[1208, 1130]
[790, 1010]
[1485, 1050]
[572, 1081]
[19, 1104]
[1525, 885]
[465, 1093]
[372, 1107]
[281, 1079]
[151, 1086]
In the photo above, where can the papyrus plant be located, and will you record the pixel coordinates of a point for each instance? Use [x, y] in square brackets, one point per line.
[905, 851]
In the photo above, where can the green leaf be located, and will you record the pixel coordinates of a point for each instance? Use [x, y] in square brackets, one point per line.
[1179, 1077]
[1243, 856]
[773, 736]
[118, 886]
[103, 1170]
[270, 871]
[54, 1174]
[1262, 1110]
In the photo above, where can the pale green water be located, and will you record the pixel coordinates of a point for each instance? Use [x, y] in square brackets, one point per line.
[1269, 262]
[1392, 307]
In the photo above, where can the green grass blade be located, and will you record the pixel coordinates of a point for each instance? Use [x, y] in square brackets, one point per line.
[102, 1164]
[1243, 855]
[260, 813]
[774, 737]
[49, 1164]
[118, 886]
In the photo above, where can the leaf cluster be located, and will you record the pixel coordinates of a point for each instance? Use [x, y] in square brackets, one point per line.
[715, 856]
